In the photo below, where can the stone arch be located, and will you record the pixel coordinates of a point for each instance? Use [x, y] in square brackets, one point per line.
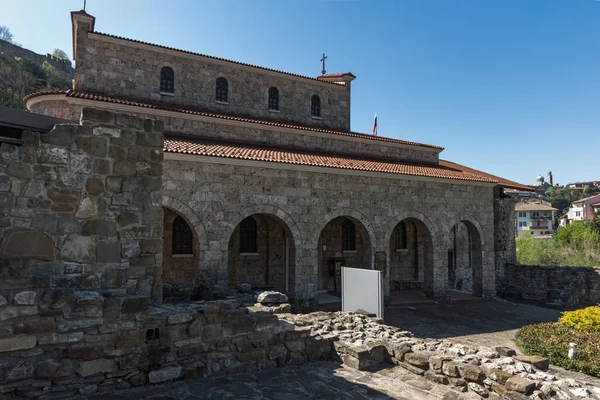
[465, 244]
[411, 267]
[33, 243]
[312, 242]
[328, 241]
[278, 242]
[191, 218]
[470, 219]
[409, 214]
[264, 209]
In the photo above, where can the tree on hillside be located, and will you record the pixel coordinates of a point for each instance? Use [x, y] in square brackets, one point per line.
[59, 54]
[5, 34]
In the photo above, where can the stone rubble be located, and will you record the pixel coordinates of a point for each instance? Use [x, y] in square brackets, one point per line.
[364, 342]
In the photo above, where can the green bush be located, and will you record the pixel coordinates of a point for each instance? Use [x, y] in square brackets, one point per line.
[586, 319]
[552, 340]
[576, 245]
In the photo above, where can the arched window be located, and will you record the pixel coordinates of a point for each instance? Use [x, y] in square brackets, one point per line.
[401, 236]
[273, 99]
[315, 106]
[167, 80]
[248, 236]
[221, 94]
[182, 237]
[348, 235]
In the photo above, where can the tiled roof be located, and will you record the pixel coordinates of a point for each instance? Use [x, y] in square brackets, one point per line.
[336, 75]
[586, 199]
[207, 56]
[186, 110]
[533, 207]
[196, 146]
[501, 181]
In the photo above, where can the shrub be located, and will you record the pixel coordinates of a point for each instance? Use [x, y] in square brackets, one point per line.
[552, 340]
[586, 319]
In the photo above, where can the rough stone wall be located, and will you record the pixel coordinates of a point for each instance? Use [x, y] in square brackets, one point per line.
[93, 191]
[407, 264]
[266, 267]
[127, 69]
[58, 109]
[217, 197]
[505, 245]
[551, 286]
[222, 130]
[17, 51]
[461, 278]
[81, 250]
[178, 269]
[331, 240]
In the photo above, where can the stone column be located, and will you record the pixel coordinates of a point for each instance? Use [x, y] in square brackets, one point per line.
[505, 249]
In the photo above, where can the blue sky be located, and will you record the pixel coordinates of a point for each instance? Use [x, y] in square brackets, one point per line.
[511, 87]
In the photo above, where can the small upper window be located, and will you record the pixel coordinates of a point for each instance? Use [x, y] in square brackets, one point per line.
[167, 80]
[182, 237]
[315, 106]
[348, 235]
[401, 236]
[248, 236]
[273, 99]
[221, 94]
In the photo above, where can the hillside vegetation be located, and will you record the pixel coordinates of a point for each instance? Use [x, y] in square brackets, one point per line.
[577, 244]
[20, 76]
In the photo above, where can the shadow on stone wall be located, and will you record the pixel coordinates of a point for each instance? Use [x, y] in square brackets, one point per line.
[550, 286]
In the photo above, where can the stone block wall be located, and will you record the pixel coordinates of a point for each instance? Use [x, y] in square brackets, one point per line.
[217, 197]
[504, 234]
[64, 66]
[126, 68]
[178, 269]
[81, 247]
[81, 205]
[551, 286]
[219, 129]
[266, 267]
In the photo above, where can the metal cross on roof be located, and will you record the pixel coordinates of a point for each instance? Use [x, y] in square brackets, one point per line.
[84, 1]
[323, 61]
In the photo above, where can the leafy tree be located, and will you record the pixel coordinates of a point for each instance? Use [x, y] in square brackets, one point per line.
[59, 54]
[5, 34]
[20, 77]
[577, 244]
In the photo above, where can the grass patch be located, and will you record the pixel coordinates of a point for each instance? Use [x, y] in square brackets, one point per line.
[552, 340]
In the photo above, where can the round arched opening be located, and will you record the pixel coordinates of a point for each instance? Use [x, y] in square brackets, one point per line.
[261, 253]
[465, 257]
[411, 260]
[343, 242]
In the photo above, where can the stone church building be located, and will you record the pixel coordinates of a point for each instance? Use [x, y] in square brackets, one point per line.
[245, 174]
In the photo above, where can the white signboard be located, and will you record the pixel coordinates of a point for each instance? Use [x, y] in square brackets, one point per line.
[362, 289]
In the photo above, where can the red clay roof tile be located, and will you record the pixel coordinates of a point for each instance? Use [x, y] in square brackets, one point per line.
[501, 181]
[195, 111]
[196, 146]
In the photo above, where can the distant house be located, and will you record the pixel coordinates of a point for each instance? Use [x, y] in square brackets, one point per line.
[596, 207]
[583, 209]
[534, 218]
[581, 185]
[521, 195]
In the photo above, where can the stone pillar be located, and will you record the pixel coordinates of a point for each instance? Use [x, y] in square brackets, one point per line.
[505, 249]
[440, 272]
